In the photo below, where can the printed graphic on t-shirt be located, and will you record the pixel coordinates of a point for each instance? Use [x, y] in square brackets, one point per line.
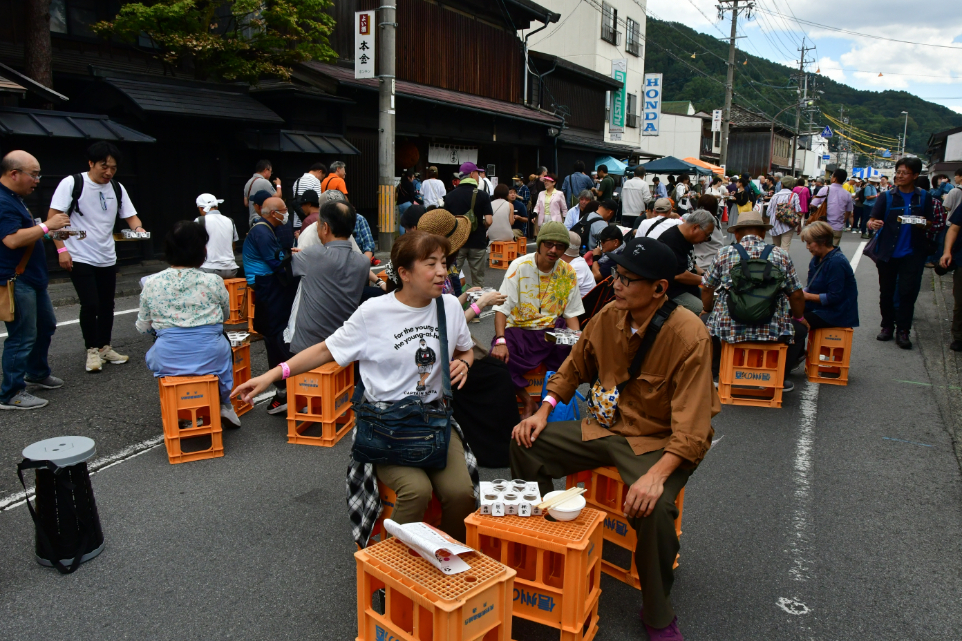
[425, 359]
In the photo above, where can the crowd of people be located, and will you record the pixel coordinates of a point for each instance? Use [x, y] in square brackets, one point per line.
[655, 280]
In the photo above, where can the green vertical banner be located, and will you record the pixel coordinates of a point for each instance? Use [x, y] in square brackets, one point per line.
[619, 71]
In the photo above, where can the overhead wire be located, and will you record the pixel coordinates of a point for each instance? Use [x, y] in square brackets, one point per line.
[853, 128]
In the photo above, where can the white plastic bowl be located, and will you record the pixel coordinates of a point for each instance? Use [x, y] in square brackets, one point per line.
[567, 511]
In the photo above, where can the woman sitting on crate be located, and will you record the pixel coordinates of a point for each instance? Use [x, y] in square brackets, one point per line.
[185, 309]
[831, 297]
[411, 346]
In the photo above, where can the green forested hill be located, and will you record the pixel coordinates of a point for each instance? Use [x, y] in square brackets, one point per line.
[760, 85]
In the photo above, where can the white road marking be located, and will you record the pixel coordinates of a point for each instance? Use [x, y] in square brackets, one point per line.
[858, 255]
[77, 320]
[18, 498]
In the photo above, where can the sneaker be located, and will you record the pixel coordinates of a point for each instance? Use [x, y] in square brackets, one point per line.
[886, 334]
[375, 262]
[51, 382]
[865, 236]
[956, 346]
[278, 404]
[670, 633]
[108, 355]
[227, 412]
[788, 387]
[902, 339]
[24, 401]
[94, 362]
[855, 231]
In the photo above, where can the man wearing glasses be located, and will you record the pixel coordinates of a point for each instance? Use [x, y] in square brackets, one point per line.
[541, 293]
[659, 428]
[94, 201]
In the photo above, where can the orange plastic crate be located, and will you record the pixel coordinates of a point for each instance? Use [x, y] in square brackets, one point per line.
[558, 564]
[250, 310]
[242, 373]
[829, 353]
[237, 290]
[522, 246]
[432, 515]
[752, 374]
[420, 603]
[535, 380]
[501, 253]
[320, 396]
[607, 492]
[195, 399]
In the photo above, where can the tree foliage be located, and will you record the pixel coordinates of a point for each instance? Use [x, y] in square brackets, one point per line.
[227, 40]
[768, 87]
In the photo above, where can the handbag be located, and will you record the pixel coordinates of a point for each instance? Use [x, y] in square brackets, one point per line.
[7, 305]
[411, 432]
[602, 403]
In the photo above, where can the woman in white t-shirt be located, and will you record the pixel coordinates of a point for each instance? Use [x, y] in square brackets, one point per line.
[395, 340]
[433, 189]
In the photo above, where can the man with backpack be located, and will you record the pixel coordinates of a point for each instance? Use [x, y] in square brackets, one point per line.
[760, 298]
[94, 200]
[470, 201]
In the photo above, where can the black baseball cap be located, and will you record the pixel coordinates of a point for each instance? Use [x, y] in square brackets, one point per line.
[609, 204]
[647, 258]
[309, 197]
[259, 197]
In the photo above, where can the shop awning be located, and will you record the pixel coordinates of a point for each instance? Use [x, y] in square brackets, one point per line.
[17, 79]
[672, 165]
[62, 124]
[189, 100]
[306, 142]
[715, 169]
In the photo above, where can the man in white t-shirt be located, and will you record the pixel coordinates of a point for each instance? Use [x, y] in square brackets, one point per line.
[433, 189]
[484, 183]
[659, 220]
[586, 281]
[222, 234]
[92, 262]
[309, 181]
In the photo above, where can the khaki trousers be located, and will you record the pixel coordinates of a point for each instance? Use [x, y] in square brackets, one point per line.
[475, 259]
[783, 240]
[414, 486]
[559, 451]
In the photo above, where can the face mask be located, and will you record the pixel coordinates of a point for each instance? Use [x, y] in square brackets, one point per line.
[285, 215]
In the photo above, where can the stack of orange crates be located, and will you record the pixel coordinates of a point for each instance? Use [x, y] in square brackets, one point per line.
[752, 374]
[322, 397]
[829, 354]
[250, 310]
[237, 291]
[535, 380]
[606, 491]
[242, 373]
[432, 516]
[420, 603]
[501, 253]
[558, 565]
[195, 399]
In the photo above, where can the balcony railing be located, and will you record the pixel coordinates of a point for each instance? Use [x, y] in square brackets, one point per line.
[610, 34]
[633, 47]
[631, 120]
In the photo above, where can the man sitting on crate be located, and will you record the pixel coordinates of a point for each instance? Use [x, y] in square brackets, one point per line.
[542, 294]
[760, 298]
[651, 405]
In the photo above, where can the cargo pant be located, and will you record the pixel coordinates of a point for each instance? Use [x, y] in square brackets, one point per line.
[559, 451]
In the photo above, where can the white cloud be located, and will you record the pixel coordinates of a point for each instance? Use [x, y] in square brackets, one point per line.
[956, 108]
[831, 69]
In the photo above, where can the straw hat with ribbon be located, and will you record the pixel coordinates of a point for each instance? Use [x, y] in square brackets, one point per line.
[441, 222]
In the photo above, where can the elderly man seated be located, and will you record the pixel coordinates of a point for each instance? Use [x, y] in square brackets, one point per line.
[779, 317]
[541, 293]
[654, 359]
[681, 239]
[660, 219]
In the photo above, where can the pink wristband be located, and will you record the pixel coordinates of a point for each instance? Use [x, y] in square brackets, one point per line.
[45, 229]
[477, 310]
[61, 250]
[285, 371]
[551, 400]
[500, 341]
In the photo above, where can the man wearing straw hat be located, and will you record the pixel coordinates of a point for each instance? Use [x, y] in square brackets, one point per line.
[787, 323]
[649, 361]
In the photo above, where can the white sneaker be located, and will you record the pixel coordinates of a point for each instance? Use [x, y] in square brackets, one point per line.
[108, 355]
[94, 362]
[227, 412]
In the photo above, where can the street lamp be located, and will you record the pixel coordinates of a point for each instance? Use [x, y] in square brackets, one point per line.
[905, 131]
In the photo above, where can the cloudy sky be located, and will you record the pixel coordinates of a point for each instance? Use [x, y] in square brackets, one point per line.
[923, 69]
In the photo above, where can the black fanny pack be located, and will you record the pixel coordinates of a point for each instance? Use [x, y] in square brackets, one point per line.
[411, 432]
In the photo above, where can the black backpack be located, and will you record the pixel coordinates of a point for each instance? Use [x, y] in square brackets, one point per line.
[78, 188]
[583, 229]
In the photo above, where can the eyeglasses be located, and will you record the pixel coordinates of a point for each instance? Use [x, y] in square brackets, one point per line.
[905, 173]
[625, 280]
[35, 176]
[552, 245]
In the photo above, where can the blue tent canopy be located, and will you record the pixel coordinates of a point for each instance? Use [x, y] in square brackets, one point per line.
[672, 165]
[614, 165]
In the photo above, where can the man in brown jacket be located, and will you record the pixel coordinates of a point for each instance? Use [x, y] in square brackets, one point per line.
[661, 429]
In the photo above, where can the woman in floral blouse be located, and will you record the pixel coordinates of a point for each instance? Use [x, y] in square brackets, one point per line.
[185, 309]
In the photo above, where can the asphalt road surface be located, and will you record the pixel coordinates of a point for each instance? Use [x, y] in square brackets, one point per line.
[835, 517]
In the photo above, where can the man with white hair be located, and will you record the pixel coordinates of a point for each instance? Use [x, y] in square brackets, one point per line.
[696, 229]
[586, 281]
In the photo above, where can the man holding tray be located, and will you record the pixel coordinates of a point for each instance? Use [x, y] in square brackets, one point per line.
[651, 405]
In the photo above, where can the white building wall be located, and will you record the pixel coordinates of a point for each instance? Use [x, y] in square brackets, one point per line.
[576, 37]
[680, 136]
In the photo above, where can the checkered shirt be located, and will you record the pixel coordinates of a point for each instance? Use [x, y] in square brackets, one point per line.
[718, 277]
[362, 234]
[364, 500]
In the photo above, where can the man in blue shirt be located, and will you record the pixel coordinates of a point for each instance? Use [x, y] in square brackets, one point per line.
[265, 267]
[901, 249]
[22, 259]
[869, 196]
[575, 183]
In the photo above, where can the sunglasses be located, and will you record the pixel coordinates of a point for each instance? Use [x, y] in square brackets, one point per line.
[552, 245]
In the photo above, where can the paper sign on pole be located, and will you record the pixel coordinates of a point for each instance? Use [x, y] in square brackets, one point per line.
[652, 102]
[716, 120]
[619, 71]
[364, 44]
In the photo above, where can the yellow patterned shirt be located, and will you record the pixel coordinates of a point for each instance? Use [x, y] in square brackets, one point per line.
[534, 300]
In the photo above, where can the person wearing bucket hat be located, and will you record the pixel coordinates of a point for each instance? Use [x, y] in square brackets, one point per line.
[541, 293]
[763, 310]
[468, 201]
[656, 428]
[456, 229]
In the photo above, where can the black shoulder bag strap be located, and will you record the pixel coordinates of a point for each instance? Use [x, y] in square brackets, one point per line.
[448, 397]
[648, 340]
[78, 188]
[655, 224]
[119, 195]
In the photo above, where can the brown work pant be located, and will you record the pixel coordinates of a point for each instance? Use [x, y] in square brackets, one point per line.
[559, 451]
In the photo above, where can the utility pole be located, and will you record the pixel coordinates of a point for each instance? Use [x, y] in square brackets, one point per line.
[733, 6]
[798, 106]
[387, 224]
